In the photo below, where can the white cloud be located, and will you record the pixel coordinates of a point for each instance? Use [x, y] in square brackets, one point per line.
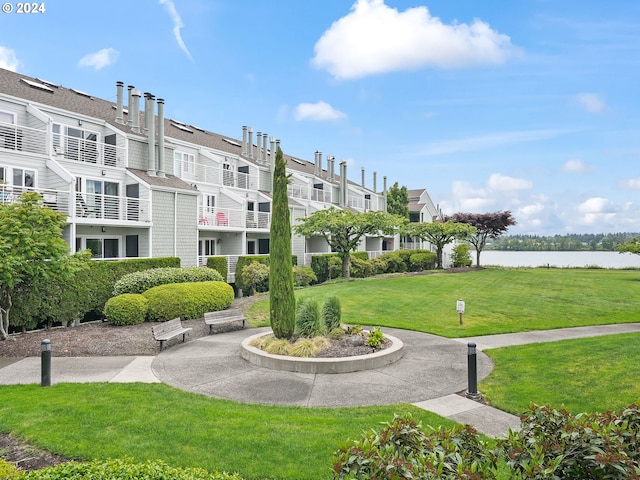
[100, 59]
[8, 59]
[177, 25]
[630, 183]
[590, 102]
[375, 38]
[319, 111]
[530, 210]
[503, 183]
[577, 166]
[596, 205]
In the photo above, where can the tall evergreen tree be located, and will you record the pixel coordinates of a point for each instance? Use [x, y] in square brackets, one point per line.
[282, 299]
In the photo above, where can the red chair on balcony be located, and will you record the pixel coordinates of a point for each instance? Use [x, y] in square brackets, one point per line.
[221, 219]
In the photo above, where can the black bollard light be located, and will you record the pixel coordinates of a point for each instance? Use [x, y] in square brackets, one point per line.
[45, 363]
[472, 372]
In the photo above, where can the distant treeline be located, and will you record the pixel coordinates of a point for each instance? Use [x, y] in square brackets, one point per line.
[561, 243]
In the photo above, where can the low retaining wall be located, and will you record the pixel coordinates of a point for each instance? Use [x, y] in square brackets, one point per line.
[322, 365]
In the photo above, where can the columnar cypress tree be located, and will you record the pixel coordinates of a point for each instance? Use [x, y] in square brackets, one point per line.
[282, 299]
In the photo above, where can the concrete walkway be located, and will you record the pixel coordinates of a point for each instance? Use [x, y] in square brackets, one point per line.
[430, 375]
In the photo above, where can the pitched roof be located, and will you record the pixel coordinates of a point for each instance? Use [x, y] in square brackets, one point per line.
[43, 92]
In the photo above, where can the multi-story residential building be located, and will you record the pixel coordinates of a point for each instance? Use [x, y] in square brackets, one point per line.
[133, 183]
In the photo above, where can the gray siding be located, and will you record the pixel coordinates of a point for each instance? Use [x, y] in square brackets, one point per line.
[163, 218]
[187, 228]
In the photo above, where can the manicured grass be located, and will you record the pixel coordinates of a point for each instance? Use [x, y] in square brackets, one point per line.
[582, 375]
[497, 300]
[151, 421]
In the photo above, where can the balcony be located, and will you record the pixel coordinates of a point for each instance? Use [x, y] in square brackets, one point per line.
[22, 139]
[214, 175]
[233, 218]
[298, 191]
[318, 195]
[111, 207]
[54, 199]
[88, 150]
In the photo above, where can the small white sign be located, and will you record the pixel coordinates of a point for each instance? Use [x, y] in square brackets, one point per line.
[460, 306]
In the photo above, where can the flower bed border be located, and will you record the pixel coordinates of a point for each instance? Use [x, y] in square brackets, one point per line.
[357, 363]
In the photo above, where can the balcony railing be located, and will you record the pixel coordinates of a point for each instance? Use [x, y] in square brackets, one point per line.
[111, 207]
[55, 199]
[298, 191]
[89, 151]
[22, 139]
[258, 219]
[214, 175]
[318, 195]
[221, 217]
[355, 202]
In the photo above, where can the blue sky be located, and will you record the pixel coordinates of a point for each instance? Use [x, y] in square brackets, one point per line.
[530, 105]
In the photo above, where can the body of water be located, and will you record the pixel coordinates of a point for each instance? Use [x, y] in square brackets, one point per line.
[558, 259]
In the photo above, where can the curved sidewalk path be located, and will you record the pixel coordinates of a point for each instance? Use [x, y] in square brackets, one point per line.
[431, 372]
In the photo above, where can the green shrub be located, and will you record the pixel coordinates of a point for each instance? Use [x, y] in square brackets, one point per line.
[375, 338]
[422, 261]
[460, 257]
[218, 264]
[124, 469]
[127, 309]
[555, 444]
[303, 276]
[336, 333]
[320, 266]
[359, 268]
[335, 267]
[255, 277]
[331, 313]
[379, 265]
[403, 450]
[308, 322]
[395, 264]
[187, 300]
[140, 282]
[8, 471]
[247, 260]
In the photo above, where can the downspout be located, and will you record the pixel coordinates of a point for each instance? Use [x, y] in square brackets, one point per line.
[175, 224]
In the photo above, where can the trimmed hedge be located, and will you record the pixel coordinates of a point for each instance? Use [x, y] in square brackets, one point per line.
[187, 300]
[218, 264]
[117, 468]
[127, 309]
[140, 282]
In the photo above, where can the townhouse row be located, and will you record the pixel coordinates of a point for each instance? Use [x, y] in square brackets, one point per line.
[133, 183]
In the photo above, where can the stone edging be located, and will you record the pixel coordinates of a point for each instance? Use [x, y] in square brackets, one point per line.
[322, 365]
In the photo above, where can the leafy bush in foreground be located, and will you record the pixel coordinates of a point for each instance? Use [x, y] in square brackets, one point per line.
[123, 469]
[140, 282]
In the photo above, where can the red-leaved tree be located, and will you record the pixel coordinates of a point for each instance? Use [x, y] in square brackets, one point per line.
[488, 225]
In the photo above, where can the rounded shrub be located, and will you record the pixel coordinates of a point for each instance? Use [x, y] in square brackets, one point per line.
[140, 282]
[126, 309]
[360, 268]
[308, 322]
[8, 471]
[332, 313]
[422, 261]
[304, 276]
[187, 300]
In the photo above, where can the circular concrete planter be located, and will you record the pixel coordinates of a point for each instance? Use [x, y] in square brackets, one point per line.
[322, 365]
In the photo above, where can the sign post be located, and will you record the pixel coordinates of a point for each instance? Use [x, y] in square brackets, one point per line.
[460, 308]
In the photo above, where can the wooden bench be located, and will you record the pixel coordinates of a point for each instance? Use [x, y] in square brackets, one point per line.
[223, 317]
[167, 330]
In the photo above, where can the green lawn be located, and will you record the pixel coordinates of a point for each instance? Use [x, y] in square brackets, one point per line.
[582, 375]
[184, 429]
[497, 300]
[151, 421]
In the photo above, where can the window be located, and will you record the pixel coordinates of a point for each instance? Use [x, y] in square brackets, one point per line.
[210, 203]
[79, 145]
[207, 247]
[99, 200]
[184, 164]
[227, 175]
[8, 133]
[100, 247]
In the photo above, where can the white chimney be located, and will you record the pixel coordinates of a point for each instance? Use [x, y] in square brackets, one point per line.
[362, 177]
[250, 142]
[135, 111]
[161, 168]
[119, 100]
[149, 116]
[264, 148]
[244, 140]
[259, 142]
[375, 174]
